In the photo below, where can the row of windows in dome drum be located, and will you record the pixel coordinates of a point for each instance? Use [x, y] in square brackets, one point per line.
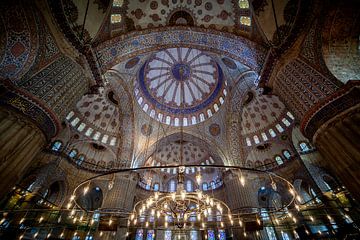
[189, 185]
[272, 133]
[73, 153]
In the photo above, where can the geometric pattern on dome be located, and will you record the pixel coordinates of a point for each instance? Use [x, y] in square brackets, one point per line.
[180, 86]
[263, 118]
[97, 116]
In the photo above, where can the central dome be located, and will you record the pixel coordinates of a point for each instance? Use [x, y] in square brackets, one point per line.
[180, 86]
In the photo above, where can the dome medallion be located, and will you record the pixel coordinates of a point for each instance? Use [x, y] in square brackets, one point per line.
[180, 86]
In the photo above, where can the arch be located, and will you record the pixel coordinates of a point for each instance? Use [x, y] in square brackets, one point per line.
[57, 146]
[279, 160]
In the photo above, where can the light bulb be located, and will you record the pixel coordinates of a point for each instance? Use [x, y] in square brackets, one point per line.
[245, 234]
[158, 214]
[257, 233]
[72, 197]
[101, 233]
[294, 219]
[110, 221]
[72, 212]
[166, 218]
[230, 217]
[35, 235]
[62, 234]
[156, 196]
[74, 220]
[49, 235]
[183, 195]
[240, 223]
[203, 225]
[135, 221]
[231, 222]
[166, 225]
[222, 224]
[242, 180]
[22, 220]
[198, 178]
[207, 200]
[292, 192]
[211, 202]
[297, 207]
[21, 237]
[86, 189]
[298, 198]
[311, 218]
[92, 222]
[147, 224]
[199, 216]
[199, 194]
[152, 212]
[277, 221]
[41, 219]
[75, 233]
[165, 206]
[68, 206]
[132, 216]
[81, 218]
[258, 221]
[173, 196]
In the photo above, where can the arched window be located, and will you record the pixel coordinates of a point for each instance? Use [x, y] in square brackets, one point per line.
[156, 187]
[189, 186]
[80, 160]
[286, 154]
[243, 3]
[56, 146]
[205, 186]
[172, 185]
[304, 147]
[212, 184]
[245, 21]
[116, 18]
[279, 160]
[73, 153]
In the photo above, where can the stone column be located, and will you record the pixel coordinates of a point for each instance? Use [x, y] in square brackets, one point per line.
[241, 199]
[339, 143]
[20, 141]
[121, 196]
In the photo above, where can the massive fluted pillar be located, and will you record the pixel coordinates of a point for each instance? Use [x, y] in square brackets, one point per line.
[20, 141]
[121, 196]
[243, 199]
[333, 124]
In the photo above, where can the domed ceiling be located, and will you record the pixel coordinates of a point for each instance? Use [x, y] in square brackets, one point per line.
[263, 117]
[180, 86]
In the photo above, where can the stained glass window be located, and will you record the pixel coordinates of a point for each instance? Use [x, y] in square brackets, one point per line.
[80, 160]
[172, 185]
[304, 147]
[211, 235]
[287, 154]
[193, 235]
[189, 187]
[279, 128]
[243, 3]
[167, 235]
[286, 122]
[118, 3]
[150, 235]
[290, 115]
[205, 186]
[72, 153]
[271, 233]
[279, 160]
[222, 235]
[156, 187]
[139, 234]
[116, 18]
[272, 133]
[56, 146]
[245, 21]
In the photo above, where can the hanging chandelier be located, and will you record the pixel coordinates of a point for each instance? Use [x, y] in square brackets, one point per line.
[178, 207]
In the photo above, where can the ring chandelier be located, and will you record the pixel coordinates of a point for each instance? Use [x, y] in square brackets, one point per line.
[182, 209]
